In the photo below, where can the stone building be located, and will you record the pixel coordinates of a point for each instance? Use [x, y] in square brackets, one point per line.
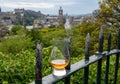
[7, 18]
[36, 23]
[19, 15]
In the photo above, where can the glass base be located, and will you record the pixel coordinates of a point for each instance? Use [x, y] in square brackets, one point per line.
[59, 72]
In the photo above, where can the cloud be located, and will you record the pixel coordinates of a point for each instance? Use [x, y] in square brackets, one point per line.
[52, 6]
[66, 3]
[28, 5]
[38, 4]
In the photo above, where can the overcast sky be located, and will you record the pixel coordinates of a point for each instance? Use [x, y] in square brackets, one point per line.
[71, 7]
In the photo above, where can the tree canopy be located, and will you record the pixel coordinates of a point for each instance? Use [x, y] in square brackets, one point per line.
[109, 12]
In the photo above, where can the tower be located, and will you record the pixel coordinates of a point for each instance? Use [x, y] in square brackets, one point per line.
[60, 11]
[60, 16]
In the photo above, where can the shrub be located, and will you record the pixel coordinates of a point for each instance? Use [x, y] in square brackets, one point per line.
[16, 30]
[15, 44]
[17, 69]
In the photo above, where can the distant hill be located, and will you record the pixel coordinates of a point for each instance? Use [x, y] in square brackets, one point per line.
[33, 14]
[80, 15]
[30, 16]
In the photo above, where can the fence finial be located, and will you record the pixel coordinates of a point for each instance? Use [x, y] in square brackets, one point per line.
[38, 64]
[101, 33]
[101, 40]
[87, 47]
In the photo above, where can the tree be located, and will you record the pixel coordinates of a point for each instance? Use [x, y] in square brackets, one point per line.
[109, 12]
[16, 29]
[35, 35]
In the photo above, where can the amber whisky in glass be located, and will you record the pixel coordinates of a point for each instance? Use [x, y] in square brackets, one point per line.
[57, 57]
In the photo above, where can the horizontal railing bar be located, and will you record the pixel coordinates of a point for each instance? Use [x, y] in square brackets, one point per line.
[50, 79]
[114, 51]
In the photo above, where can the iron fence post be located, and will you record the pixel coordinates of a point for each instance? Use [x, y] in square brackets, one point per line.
[38, 71]
[87, 54]
[117, 59]
[67, 51]
[100, 50]
[108, 59]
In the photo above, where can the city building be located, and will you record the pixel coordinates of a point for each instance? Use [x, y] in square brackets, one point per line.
[38, 20]
[7, 18]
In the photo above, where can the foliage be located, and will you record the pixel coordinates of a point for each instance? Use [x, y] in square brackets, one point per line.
[49, 33]
[15, 44]
[109, 12]
[17, 69]
[17, 29]
[20, 68]
[35, 35]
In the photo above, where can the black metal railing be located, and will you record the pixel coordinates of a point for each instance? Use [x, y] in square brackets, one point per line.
[83, 64]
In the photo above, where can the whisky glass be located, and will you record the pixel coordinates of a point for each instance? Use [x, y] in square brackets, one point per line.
[58, 58]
